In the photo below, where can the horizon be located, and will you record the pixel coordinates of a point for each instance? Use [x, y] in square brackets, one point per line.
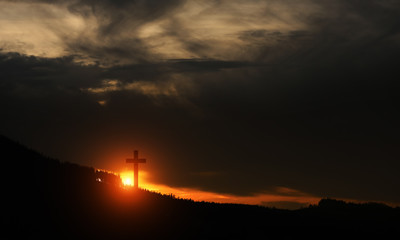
[269, 102]
[288, 198]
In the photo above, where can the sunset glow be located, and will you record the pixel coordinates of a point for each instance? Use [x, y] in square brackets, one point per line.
[282, 198]
[127, 178]
[127, 181]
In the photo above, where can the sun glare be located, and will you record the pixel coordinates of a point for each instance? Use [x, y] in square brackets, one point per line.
[127, 181]
[127, 178]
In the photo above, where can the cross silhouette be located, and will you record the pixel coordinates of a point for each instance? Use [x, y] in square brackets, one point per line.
[136, 160]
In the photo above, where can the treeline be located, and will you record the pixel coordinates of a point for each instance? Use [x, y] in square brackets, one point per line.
[43, 197]
[23, 166]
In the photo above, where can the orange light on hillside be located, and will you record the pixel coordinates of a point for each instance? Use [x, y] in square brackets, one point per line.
[127, 182]
[283, 195]
[127, 178]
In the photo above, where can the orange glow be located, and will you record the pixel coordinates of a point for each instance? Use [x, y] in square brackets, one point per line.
[127, 178]
[281, 194]
[281, 197]
[127, 181]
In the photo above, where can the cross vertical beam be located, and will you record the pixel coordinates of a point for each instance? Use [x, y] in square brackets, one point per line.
[136, 175]
[136, 160]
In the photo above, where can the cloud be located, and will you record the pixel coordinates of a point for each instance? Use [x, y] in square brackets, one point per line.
[105, 31]
[126, 32]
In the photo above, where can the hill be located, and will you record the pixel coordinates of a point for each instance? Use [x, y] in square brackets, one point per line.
[43, 197]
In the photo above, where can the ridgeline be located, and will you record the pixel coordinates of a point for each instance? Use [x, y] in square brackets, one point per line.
[43, 197]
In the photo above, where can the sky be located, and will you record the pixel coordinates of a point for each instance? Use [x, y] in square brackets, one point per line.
[254, 101]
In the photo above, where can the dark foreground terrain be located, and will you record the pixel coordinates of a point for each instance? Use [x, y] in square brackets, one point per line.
[42, 197]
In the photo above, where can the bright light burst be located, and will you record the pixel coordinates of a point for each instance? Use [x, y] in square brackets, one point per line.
[127, 178]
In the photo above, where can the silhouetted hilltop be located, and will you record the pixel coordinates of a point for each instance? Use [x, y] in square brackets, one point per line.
[44, 197]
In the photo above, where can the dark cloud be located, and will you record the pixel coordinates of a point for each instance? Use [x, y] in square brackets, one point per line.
[341, 32]
[313, 109]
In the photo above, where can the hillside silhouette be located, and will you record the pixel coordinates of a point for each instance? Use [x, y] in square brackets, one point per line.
[43, 197]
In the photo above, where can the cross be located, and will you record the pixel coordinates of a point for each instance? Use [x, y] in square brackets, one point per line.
[136, 160]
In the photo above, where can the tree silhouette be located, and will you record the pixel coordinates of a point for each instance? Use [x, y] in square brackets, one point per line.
[44, 197]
